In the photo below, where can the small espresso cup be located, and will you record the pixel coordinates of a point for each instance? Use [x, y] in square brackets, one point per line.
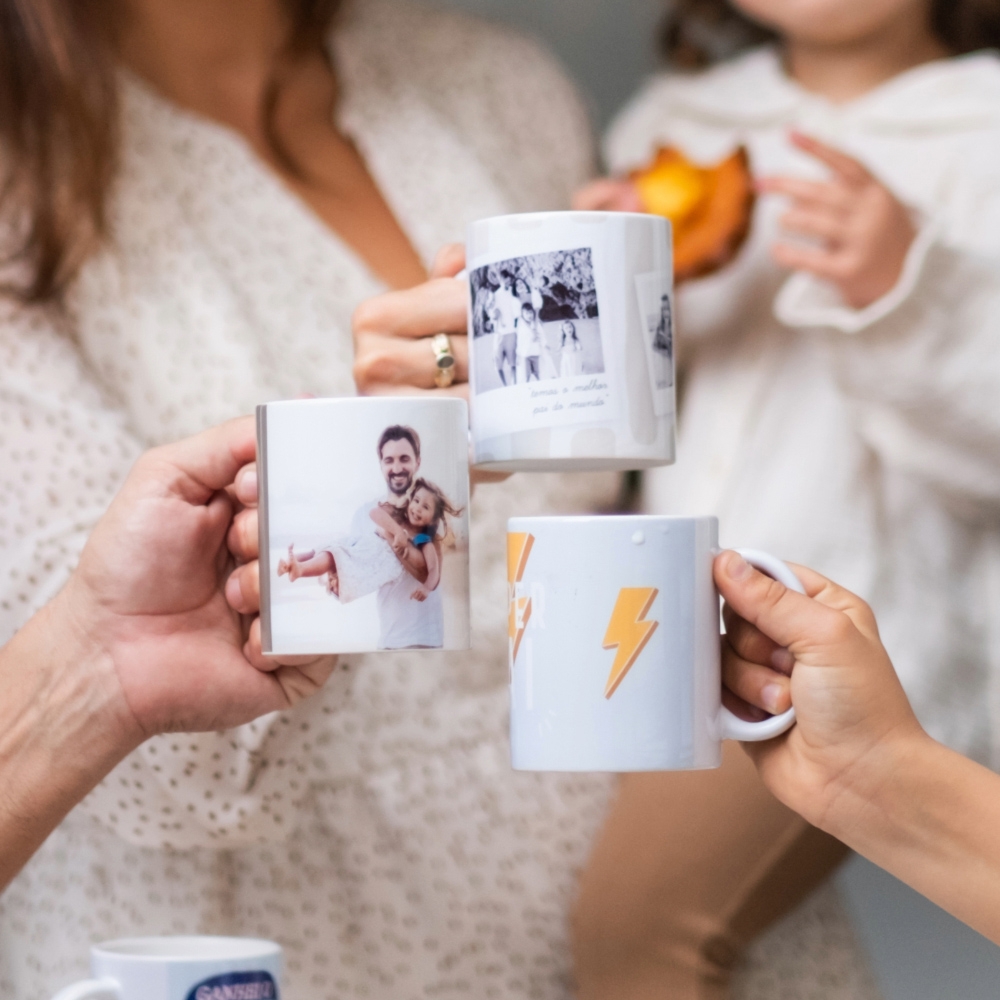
[364, 526]
[571, 352]
[181, 968]
[614, 644]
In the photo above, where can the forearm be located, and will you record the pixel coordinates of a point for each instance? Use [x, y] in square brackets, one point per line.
[61, 730]
[933, 822]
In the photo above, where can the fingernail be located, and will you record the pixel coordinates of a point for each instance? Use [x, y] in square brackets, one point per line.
[247, 487]
[738, 568]
[782, 661]
[770, 695]
[234, 592]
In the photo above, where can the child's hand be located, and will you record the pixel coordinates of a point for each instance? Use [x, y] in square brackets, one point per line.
[608, 194]
[865, 229]
[854, 721]
[419, 595]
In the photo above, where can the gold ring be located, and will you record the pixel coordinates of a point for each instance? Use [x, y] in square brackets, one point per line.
[444, 360]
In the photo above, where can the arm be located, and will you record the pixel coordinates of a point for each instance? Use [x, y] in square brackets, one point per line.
[433, 557]
[140, 641]
[391, 529]
[65, 450]
[406, 552]
[857, 764]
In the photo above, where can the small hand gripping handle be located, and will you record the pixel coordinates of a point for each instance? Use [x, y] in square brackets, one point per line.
[732, 726]
[106, 988]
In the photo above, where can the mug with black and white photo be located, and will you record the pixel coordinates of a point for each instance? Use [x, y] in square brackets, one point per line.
[571, 341]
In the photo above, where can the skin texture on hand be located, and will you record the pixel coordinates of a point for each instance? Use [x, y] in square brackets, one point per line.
[861, 232]
[857, 763]
[150, 588]
[849, 702]
[392, 352]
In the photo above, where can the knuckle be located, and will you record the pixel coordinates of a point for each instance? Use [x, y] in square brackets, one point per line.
[374, 366]
[839, 629]
[368, 315]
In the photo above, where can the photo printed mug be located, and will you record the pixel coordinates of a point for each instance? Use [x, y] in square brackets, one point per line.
[571, 354]
[614, 644]
[364, 525]
[181, 968]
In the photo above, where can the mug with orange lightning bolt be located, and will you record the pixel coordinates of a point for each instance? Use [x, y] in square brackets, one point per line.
[620, 669]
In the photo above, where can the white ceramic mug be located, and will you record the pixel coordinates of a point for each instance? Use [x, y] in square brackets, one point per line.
[181, 968]
[364, 525]
[571, 341]
[614, 644]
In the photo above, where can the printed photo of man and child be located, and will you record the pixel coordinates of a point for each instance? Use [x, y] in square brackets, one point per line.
[393, 547]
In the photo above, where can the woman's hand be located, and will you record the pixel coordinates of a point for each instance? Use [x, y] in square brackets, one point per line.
[392, 350]
[863, 230]
[147, 598]
[853, 719]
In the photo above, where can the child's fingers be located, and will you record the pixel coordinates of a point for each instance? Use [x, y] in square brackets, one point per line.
[811, 194]
[792, 620]
[824, 263]
[840, 163]
[814, 222]
[243, 589]
[742, 709]
[751, 644]
[242, 539]
[755, 684]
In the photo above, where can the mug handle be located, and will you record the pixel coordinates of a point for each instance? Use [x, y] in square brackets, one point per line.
[732, 726]
[91, 988]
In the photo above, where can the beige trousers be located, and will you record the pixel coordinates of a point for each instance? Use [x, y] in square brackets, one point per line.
[689, 869]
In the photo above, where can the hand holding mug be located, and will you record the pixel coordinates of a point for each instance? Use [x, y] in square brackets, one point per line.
[392, 346]
[854, 719]
[179, 654]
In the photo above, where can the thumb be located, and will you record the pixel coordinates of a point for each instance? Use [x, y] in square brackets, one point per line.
[796, 621]
[210, 460]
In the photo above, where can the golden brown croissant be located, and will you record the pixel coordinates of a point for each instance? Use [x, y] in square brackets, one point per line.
[709, 207]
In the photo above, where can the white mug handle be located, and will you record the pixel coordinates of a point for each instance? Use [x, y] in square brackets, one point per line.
[106, 987]
[732, 726]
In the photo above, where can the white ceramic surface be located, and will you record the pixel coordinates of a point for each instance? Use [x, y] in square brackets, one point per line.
[608, 404]
[182, 968]
[614, 644]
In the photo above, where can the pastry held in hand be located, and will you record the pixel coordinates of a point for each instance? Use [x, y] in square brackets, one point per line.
[709, 208]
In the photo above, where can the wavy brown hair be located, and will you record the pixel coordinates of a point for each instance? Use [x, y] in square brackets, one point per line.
[59, 131]
[697, 33]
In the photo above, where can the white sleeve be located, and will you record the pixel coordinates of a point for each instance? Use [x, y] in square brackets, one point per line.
[64, 451]
[922, 369]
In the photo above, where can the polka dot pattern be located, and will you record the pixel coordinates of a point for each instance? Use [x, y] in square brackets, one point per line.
[377, 830]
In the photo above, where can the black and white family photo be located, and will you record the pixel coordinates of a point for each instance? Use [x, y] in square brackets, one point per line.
[539, 315]
[373, 566]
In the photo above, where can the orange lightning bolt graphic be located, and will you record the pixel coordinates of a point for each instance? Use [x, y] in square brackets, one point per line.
[518, 549]
[628, 631]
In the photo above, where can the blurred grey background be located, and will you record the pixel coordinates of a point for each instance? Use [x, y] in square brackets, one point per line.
[918, 952]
